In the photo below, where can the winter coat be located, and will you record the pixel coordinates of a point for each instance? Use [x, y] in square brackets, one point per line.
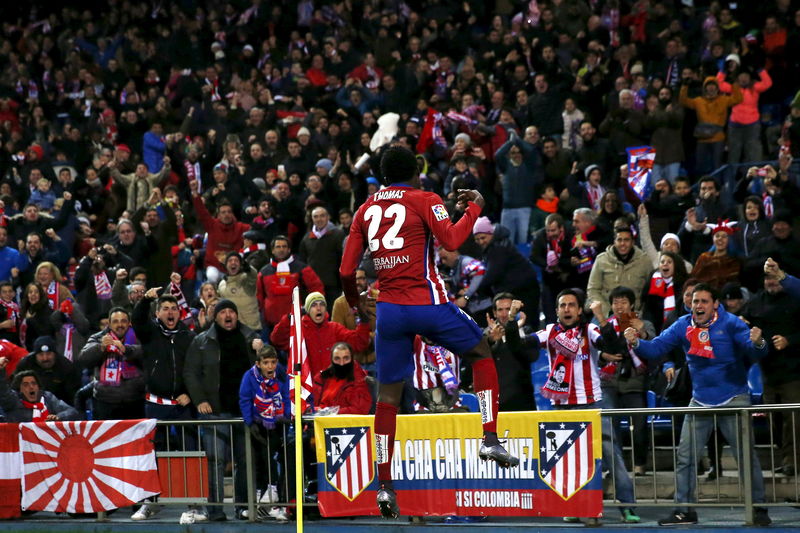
[241, 290]
[201, 371]
[15, 411]
[163, 356]
[320, 338]
[352, 397]
[139, 189]
[248, 388]
[129, 390]
[609, 272]
[274, 289]
[711, 111]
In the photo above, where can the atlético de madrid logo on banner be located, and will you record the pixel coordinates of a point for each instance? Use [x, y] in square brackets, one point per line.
[566, 456]
[349, 463]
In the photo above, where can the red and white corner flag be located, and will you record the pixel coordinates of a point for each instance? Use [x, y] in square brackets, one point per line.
[10, 471]
[298, 355]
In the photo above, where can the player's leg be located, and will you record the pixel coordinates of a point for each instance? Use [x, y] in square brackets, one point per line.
[457, 332]
[393, 348]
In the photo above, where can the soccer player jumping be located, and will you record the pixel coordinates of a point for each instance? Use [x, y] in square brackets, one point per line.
[398, 224]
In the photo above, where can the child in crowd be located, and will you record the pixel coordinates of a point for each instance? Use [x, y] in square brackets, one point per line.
[264, 401]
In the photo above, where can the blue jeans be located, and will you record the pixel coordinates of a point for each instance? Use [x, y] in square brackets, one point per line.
[612, 455]
[744, 142]
[516, 219]
[218, 442]
[694, 435]
[172, 438]
[709, 157]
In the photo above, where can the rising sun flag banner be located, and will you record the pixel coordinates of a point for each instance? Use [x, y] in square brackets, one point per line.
[437, 471]
[640, 167]
[10, 461]
[298, 355]
[87, 467]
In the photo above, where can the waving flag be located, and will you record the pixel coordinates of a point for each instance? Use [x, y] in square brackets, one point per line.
[9, 471]
[298, 354]
[640, 167]
[86, 467]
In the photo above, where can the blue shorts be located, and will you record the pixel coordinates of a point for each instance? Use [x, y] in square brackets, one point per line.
[397, 325]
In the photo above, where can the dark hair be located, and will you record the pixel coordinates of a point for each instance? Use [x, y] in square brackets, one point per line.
[679, 276]
[277, 238]
[135, 271]
[41, 305]
[501, 296]
[622, 292]
[754, 200]
[706, 179]
[702, 286]
[622, 229]
[119, 309]
[5, 283]
[577, 293]
[398, 164]
[19, 376]
[166, 298]
[684, 179]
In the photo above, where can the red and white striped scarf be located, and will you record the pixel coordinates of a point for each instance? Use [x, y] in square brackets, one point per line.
[183, 306]
[12, 314]
[52, 294]
[665, 288]
[102, 286]
[244, 252]
[40, 412]
[564, 345]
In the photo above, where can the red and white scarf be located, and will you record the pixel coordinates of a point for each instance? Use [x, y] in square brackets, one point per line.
[769, 207]
[554, 251]
[700, 338]
[11, 314]
[244, 252]
[102, 286]
[40, 412]
[192, 171]
[608, 371]
[564, 345]
[215, 96]
[52, 294]
[665, 288]
[282, 267]
[595, 193]
[183, 306]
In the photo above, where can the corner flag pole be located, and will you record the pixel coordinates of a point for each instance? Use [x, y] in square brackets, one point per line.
[298, 417]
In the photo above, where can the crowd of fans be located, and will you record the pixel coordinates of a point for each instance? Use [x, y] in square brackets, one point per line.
[178, 168]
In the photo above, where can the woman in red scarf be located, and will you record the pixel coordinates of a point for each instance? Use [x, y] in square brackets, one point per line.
[662, 294]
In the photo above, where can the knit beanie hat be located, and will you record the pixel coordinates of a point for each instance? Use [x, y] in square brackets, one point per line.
[311, 298]
[483, 225]
[225, 304]
[668, 236]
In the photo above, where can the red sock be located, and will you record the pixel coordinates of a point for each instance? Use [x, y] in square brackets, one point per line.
[484, 379]
[385, 428]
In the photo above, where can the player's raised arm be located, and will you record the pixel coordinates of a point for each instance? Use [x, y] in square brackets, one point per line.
[450, 235]
[351, 257]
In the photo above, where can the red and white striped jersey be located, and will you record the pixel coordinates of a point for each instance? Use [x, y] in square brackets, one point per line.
[585, 386]
[398, 225]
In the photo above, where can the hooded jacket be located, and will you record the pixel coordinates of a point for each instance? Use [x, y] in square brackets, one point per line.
[711, 111]
[352, 397]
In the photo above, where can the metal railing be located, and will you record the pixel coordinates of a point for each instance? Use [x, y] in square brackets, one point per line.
[191, 441]
[756, 426]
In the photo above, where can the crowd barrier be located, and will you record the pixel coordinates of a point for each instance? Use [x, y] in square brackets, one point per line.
[185, 463]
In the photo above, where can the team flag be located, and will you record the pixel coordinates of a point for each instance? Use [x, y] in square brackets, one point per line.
[87, 467]
[9, 471]
[298, 355]
[640, 167]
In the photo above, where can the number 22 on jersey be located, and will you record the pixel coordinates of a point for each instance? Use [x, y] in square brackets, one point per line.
[374, 214]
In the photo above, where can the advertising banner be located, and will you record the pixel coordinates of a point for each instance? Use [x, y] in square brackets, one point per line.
[437, 471]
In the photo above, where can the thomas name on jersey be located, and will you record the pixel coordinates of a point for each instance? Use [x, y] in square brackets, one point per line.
[390, 194]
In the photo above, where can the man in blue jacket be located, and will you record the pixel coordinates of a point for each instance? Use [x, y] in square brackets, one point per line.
[719, 349]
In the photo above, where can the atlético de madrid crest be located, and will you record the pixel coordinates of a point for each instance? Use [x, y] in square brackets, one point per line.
[566, 456]
[349, 463]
